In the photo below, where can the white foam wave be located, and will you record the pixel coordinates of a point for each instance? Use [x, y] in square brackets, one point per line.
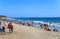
[10, 18]
[52, 24]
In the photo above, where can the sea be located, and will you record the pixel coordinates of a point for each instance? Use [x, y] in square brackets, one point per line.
[53, 21]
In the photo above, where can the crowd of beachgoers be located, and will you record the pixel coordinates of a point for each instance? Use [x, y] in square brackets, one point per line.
[14, 29]
[40, 25]
[6, 25]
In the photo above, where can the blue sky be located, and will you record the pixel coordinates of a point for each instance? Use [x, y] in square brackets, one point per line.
[30, 8]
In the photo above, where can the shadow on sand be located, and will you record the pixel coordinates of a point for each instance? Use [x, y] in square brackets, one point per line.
[5, 33]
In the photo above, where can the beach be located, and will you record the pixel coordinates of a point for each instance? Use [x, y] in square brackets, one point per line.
[29, 19]
[26, 32]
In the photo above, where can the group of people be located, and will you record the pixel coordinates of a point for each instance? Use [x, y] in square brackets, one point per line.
[46, 27]
[6, 25]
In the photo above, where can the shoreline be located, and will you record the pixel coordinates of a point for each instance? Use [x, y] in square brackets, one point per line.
[52, 26]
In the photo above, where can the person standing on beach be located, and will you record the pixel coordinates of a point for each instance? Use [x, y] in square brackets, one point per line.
[41, 25]
[4, 24]
[28, 23]
[10, 27]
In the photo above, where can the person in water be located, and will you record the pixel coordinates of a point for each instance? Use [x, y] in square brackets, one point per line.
[10, 27]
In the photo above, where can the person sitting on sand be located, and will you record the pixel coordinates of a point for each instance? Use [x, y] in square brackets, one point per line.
[55, 30]
[46, 27]
[10, 27]
[28, 23]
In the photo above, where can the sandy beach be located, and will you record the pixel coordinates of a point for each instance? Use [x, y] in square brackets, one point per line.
[25, 32]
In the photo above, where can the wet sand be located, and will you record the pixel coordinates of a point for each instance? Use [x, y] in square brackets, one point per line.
[25, 32]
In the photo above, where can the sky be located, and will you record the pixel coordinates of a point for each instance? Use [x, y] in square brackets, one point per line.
[30, 8]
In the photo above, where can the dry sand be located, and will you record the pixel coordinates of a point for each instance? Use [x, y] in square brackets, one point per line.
[25, 32]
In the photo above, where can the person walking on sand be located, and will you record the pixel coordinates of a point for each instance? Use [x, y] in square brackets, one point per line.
[10, 27]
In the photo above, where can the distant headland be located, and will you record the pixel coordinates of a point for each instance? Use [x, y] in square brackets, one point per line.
[2, 16]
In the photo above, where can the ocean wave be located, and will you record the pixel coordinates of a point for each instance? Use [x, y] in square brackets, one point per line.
[51, 24]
